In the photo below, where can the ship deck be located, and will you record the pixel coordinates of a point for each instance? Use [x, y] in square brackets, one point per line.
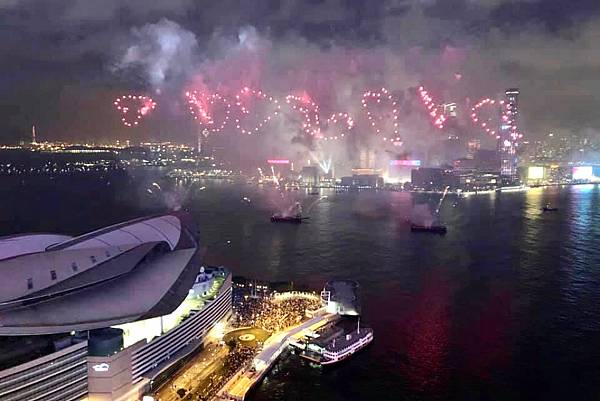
[342, 341]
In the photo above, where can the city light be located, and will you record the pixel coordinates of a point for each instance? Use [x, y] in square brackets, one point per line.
[415, 163]
[535, 172]
[583, 173]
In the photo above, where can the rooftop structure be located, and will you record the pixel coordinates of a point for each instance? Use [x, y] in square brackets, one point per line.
[131, 271]
[341, 297]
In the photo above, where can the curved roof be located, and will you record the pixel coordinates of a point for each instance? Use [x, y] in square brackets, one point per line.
[161, 228]
[137, 269]
[16, 245]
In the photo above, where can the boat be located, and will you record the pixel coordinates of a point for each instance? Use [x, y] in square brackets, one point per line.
[548, 208]
[292, 215]
[434, 228]
[338, 348]
[314, 192]
[278, 218]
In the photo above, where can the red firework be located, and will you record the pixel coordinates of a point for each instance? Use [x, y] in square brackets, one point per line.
[337, 126]
[127, 105]
[203, 108]
[378, 120]
[437, 116]
[243, 101]
[309, 111]
[490, 123]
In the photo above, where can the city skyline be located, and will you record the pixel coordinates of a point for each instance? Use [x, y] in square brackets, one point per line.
[269, 200]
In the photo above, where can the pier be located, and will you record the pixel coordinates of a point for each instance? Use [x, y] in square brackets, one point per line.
[239, 386]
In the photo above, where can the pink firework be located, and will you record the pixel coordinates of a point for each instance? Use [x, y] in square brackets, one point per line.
[337, 126]
[133, 108]
[490, 122]
[257, 110]
[309, 112]
[381, 108]
[212, 111]
[434, 111]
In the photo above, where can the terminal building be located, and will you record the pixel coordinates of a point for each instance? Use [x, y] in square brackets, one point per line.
[341, 297]
[106, 315]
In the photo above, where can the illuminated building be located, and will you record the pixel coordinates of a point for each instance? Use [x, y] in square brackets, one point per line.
[585, 174]
[508, 141]
[535, 175]
[55, 283]
[433, 179]
[341, 297]
[473, 146]
[310, 175]
[362, 181]
[366, 159]
[133, 297]
[400, 170]
[450, 109]
[478, 181]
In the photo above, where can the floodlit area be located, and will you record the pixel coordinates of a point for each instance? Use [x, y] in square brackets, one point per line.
[262, 323]
[275, 313]
[150, 328]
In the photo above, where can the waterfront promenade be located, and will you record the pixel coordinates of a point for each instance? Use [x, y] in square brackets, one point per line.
[239, 386]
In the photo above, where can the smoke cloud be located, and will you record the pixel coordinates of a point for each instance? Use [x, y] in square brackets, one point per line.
[330, 51]
[163, 51]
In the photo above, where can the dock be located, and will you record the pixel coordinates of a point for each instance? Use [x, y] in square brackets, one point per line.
[239, 386]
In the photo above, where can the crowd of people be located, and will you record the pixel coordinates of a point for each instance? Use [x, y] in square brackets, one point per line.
[271, 315]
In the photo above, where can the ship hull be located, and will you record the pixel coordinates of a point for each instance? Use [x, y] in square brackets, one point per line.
[293, 220]
[324, 361]
[347, 355]
[431, 229]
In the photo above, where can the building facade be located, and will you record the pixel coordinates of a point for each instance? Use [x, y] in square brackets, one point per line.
[106, 315]
[61, 375]
[100, 365]
[508, 142]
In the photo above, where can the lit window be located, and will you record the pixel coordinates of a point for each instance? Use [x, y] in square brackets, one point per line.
[74, 266]
[30, 284]
[53, 274]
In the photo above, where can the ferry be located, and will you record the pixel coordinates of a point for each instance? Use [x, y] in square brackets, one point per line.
[338, 347]
[292, 215]
[434, 228]
[279, 218]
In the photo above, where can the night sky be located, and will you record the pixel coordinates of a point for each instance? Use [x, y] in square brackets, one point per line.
[63, 61]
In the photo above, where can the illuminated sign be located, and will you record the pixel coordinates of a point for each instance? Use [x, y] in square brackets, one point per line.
[535, 172]
[278, 161]
[415, 163]
[583, 173]
[101, 367]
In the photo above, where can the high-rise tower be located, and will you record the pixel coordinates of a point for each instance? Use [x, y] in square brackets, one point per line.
[508, 141]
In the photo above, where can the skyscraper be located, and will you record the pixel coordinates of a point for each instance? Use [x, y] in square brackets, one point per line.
[508, 141]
